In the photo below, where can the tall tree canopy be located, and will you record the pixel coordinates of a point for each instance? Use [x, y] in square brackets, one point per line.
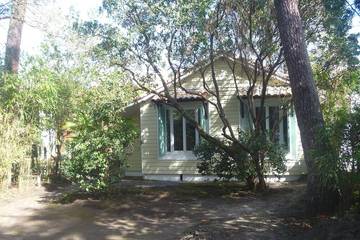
[177, 36]
[161, 37]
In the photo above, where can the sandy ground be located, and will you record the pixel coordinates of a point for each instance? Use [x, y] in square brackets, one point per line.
[156, 215]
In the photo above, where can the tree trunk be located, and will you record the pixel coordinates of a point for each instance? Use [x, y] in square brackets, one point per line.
[12, 53]
[306, 99]
[59, 148]
[261, 185]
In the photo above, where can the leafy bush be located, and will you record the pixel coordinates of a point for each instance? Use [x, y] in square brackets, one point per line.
[342, 154]
[101, 135]
[15, 142]
[214, 160]
[273, 153]
[240, 165]
[16, 135]
[339, 161]
[351, 142]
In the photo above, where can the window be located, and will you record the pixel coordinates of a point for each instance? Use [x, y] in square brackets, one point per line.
[262, 116]
[177, 131]
[278, 125]
[275, 121]
[285, 128]
[176, 134]
[168, 127]
[190, 133]
[180, 132]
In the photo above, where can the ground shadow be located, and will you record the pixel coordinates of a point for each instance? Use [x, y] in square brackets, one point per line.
[170, 212]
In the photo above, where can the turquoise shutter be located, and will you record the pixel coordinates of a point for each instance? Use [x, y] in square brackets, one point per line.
[292, 135]
[203, 118]
[244, 116]
[162, 129]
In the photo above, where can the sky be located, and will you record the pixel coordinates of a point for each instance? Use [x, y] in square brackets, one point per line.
[355, 25]
[52, 10]
[56, 10]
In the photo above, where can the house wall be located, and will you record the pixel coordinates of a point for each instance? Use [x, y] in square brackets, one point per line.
[228, 96]
[152, 164]
[133, 161]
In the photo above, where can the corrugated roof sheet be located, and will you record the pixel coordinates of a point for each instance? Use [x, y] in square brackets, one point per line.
[195, 95]
[189, 95]
[270, 91]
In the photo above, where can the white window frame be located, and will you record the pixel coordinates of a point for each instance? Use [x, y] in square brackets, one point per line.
[172, 137]
[267, 121]
[289, 151]
[281, 128]
[181, 154]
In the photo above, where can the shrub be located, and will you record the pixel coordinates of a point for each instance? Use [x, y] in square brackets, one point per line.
[15, 142]
[339, 161]
[214, 160]
[97, 151]
[240, 165]
[96, 156]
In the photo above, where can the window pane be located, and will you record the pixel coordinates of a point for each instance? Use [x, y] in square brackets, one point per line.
[274, 123]
[202, 120]
[178, 131]
[168, 132]
[190, 133]
[242, 109]
[285, 129]
[263, 117]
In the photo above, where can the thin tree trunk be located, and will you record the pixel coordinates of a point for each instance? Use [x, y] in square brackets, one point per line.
[306, 99]
[59, 147]
[12, 53]
[261, 185]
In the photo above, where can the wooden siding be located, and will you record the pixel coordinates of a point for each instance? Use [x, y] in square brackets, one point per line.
[133, 162]
[153, 164]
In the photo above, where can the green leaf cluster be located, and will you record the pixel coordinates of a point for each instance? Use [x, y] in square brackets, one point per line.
[100, 136]
[239, 165]
[339, 162]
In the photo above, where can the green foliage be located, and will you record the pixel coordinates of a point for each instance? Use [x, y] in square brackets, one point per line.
[339, 162]
[48, 95]
[214, 160]
[352, 139]
[9, 88]
[338, 86]
[240, 165]
[335, 65]
[335, 60]
[15, 143]
[44, 92]
[16, 136]
[44, 96]
[101, 135]
[183, 28]
[273, 153]
[189, 34]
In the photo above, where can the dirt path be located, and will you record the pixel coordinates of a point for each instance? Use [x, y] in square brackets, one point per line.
[148, 216]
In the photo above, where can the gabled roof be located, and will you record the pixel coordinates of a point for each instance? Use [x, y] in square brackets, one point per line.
[282, 87]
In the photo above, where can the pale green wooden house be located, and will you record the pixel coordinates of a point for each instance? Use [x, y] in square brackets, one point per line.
[164, 150]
